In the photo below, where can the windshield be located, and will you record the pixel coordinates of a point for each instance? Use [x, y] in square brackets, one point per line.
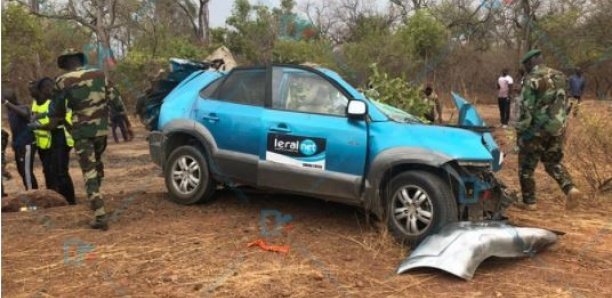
[395, 114]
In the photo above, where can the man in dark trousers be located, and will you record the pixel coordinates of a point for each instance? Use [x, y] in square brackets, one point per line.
[577, 83]
[19, 117]
[58, 160]
[42, 138]
[504, 87]
[119, 119]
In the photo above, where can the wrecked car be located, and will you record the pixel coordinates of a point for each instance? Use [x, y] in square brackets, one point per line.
[304, 130]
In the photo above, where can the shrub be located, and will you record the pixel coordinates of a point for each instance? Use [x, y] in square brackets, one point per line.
[396, 92]
[588, 150]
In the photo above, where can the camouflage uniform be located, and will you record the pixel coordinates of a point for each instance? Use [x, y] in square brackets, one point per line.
[541, 128]
[88, 94]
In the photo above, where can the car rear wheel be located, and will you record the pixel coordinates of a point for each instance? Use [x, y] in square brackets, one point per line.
[419, 203]
[188, 179]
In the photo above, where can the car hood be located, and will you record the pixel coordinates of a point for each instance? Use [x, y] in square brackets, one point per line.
[455, 143]
[470, 139]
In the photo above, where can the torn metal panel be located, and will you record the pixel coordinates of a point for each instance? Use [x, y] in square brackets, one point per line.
[460, 247]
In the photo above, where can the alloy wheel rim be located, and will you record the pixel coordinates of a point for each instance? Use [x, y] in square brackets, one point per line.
[186, 175]
[412, 210]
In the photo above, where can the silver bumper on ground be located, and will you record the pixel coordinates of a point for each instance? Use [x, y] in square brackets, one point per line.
[460, 247]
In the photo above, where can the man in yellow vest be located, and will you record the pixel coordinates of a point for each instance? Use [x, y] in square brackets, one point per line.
[54, 141]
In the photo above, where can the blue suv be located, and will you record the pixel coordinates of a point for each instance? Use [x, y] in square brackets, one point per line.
[304, 130]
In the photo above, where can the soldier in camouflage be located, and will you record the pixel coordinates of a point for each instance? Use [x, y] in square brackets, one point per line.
[88, 93]
[541, 128]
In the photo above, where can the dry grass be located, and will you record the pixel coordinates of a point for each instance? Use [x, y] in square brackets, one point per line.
[589, 149]
[159, 249]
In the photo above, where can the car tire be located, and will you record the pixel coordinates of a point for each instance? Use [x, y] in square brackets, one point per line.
[418, 204]
[187, 176]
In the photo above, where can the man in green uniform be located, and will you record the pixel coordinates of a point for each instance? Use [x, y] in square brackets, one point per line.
[89, 95]
[541, 128]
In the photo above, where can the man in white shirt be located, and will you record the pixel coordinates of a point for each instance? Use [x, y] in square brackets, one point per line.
[504, 86]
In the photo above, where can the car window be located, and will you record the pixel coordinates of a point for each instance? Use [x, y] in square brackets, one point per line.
[305, 91]
[208, 91]
[246, 86]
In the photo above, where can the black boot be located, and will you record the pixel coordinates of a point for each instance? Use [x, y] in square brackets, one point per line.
[99, 223]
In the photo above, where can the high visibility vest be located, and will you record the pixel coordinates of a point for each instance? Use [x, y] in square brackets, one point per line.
[43, 137]
[69, 139]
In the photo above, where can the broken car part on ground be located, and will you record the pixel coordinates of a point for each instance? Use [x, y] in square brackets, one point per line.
[460, 247]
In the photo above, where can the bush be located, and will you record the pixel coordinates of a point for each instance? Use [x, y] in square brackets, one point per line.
[297, 52]
[396, 92]
[588, 150]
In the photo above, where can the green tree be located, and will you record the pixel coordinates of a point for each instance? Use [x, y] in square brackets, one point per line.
[30, 45]
[22, 41]
[423, 35]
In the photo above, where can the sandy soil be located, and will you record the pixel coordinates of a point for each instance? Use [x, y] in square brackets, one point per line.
[157, 248]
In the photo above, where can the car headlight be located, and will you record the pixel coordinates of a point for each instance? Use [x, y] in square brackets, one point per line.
[474, 164]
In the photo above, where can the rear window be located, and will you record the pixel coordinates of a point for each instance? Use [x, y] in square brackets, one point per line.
[209, 90]
[247, 86]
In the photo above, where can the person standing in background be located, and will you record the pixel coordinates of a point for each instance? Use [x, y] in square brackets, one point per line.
[504, 87]
[23, 139]
[119, 119]
[577, 83]
[430, 97]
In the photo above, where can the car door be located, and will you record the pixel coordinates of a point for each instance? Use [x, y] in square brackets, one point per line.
[308, 144]
[231, 109]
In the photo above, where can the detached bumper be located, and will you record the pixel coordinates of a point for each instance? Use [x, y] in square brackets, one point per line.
[460, 247]
[156, 147]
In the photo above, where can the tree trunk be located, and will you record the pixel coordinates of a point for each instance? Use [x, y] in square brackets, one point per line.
[103, 45]
[203, 23]
[35, 7]
[527, 42]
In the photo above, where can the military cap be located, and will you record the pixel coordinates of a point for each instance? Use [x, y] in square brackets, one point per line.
[530, 54]
[67, 53]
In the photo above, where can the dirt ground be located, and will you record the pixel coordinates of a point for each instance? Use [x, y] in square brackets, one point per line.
[157, 248]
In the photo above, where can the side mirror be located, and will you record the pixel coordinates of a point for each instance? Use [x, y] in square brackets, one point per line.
[356, 109]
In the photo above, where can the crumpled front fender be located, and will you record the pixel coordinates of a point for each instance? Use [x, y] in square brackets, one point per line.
[460, 247]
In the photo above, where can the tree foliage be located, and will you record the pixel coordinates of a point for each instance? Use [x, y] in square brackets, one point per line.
[396, 92]
[423, 35]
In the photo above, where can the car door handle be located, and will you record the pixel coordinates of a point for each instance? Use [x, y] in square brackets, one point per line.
[280, 128]
[212, 117]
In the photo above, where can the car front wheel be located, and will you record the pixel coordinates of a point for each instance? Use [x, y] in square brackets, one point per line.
[419, 203]
[187, 177]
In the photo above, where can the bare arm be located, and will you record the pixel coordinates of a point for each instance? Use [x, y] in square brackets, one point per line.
[22, 111]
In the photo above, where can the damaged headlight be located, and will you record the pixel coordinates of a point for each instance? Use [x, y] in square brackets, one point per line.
[474, 164]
